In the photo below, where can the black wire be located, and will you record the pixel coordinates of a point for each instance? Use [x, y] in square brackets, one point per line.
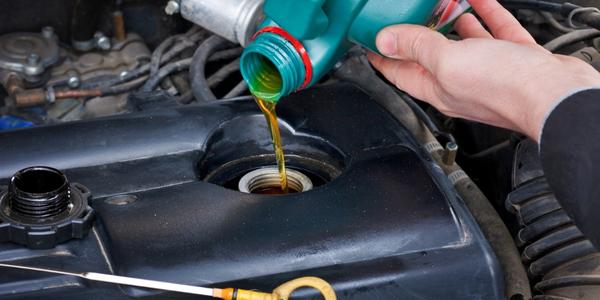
[191, 37]
[424, 117]
[179, 44]
[159, 51]
[123, 88]
[130, 75]
[165, 71]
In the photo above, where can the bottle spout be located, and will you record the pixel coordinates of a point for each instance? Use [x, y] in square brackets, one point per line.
[273, 66]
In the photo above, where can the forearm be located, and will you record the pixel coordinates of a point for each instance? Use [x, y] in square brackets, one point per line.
[570, 152]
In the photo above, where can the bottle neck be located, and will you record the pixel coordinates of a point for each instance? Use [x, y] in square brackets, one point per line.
[272, 67]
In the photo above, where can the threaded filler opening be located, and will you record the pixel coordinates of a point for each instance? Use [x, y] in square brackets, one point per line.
[272, 67]
[39, 192]
[267, 181]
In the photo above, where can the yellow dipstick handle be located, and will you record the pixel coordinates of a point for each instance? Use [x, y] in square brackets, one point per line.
[282, 292]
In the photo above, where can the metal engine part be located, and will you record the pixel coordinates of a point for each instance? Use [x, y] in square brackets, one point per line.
[123, 56]
[28, 54]
[235, 20]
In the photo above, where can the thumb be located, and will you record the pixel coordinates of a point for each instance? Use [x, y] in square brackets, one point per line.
[412, 42]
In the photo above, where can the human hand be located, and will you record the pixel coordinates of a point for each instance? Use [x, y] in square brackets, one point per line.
[501, 77]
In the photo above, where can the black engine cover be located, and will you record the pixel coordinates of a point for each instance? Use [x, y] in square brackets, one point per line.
[388, 225]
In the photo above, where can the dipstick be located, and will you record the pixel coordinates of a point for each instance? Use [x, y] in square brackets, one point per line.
[280, 293]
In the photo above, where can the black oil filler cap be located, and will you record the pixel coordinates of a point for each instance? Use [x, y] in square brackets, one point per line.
[41, 209]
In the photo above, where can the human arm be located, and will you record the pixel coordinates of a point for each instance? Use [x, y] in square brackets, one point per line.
[503, 78]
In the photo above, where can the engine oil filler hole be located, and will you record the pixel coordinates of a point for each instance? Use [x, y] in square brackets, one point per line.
[266, 181]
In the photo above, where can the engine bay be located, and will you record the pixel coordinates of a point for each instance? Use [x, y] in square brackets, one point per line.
[131, 145]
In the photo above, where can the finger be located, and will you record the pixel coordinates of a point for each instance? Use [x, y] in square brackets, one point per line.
[407, 76]
[411, 42]
[468, 27]
[501, 22]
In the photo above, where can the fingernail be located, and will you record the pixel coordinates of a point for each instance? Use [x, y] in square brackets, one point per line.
[386, 43]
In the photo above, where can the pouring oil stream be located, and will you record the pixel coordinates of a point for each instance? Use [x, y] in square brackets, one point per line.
[268, 109]
[268, 82]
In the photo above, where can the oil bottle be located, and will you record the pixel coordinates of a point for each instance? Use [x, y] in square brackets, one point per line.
[300, 40]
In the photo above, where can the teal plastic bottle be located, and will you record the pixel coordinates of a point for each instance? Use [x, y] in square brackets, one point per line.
[301, 40]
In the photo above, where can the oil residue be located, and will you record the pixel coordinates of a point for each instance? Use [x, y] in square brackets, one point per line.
[268, 109]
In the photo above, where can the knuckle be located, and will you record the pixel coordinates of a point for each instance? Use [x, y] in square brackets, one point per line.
[417, 45]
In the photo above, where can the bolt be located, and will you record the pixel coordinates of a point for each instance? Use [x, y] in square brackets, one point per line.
[48, 32]
[172, 7]
[33, 59]
[102, 41]
[123, 74]
[121, 199]
[450, 153]
[73, 80]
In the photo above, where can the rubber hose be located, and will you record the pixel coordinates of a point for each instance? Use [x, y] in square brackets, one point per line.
[238, 90]
[226, 54]
[555, 251]
[200, 87]
[533, 5]
[570, 38]
[590, 18]
[224, 72]
[158, 53]
[549, 17]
